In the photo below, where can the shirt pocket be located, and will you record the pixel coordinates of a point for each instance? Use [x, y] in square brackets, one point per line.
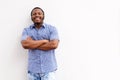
[33, 35]
[44, 35]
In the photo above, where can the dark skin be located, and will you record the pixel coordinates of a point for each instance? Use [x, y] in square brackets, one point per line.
[37, 18]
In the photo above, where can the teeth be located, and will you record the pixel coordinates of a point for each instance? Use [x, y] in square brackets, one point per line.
[37, 18]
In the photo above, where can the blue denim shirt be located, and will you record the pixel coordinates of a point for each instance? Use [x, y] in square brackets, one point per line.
[40, 61]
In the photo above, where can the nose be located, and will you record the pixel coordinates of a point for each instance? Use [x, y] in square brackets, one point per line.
[37, 15]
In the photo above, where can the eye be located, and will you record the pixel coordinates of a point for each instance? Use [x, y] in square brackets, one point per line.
[40, 13]
[37, 14]
[34, 14]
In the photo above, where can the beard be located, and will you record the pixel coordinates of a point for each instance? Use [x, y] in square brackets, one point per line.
[38, 23]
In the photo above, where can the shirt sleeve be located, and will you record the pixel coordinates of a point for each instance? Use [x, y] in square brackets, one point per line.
[54, 34]
[24, 35]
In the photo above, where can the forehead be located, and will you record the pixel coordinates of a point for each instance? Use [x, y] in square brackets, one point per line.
[37, 10]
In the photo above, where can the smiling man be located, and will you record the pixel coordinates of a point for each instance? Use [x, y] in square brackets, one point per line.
[41, 40]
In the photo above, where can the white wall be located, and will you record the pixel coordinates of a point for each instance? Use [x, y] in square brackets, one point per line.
[89, 38]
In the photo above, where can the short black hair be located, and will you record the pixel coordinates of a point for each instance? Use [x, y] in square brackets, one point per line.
[37, 8]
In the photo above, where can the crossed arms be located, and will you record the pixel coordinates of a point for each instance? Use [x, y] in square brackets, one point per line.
[29, 43]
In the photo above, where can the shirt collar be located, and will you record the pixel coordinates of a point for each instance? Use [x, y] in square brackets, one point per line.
[33, 26]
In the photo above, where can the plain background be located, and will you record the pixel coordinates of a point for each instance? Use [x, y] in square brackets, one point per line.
[89, 33]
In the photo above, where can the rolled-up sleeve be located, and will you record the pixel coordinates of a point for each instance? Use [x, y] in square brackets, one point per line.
[54, 34]
[24, 35]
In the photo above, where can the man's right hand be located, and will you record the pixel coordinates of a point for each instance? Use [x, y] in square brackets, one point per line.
[29, 43]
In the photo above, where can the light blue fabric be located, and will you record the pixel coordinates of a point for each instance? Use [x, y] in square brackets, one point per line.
[40, 61]
[41, 76]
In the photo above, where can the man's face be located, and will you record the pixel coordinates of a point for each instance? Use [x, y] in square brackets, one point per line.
[37, 16]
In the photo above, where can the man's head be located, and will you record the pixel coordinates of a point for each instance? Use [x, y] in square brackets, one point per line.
[37, 15]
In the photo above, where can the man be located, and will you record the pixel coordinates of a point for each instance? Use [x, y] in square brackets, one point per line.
[41, 40]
